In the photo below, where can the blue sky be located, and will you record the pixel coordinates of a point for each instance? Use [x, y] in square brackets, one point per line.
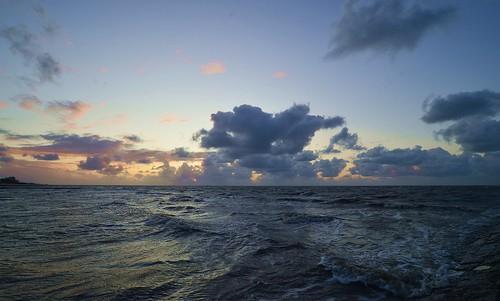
[137, 62]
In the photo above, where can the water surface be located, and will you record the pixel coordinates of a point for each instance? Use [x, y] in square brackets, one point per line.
[249, 243]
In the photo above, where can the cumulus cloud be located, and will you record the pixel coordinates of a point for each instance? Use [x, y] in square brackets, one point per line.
[461, 105]
[472, 115]
[345, 140]
[215, 67]
[384, 26]
[474, 135]
[46, 157]
[248, 139]
[330, 168]
[435, 162]
[249, 130]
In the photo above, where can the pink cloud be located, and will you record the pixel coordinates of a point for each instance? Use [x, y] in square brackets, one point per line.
[30, 103]
[215, 67]
[170, 118]
[280, 74]
[68, 111]
[3, 105]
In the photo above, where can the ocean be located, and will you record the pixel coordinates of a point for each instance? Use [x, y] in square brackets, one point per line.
[249, 243]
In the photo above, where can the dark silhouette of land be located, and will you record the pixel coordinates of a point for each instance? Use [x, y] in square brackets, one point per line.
[13, 181]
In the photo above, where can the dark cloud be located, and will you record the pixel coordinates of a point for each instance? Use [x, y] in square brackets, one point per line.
[76, 144]
[489, 164]
[386, 26]
[435, 162]
[474, 135]
[21, 41]
[249, 140]
[47, 67]
[133, 138]
[217, 171]
[248, 130]
[345, 140]
[306, 155]
[181, 152]
[472, 115]
[4, 156]
[24, 43]
[330, 168]
[461, 105]
[100, 164]
[46, 157]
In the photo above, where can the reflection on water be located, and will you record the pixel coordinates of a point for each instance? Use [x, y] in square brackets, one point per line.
[269, 243]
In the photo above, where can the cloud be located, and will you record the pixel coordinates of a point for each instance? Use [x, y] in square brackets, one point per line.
[75, 144]
[48, 68]
[49, 27]
[24, 43]
[249, 130]
[28, 102]
[330, 168]
[215, 67]
[100, 164]
[345, 140]
[474, 135]
[133, 138]
[170, 118]
[4, 156]
[181, 152]
[384, 26]
[280, 74]
[461, 105]
[46, 157]
[489, 164]
[68, 111]
[3, 105]
[249, 140]
[8, 135]
[471, 114]
[399, 162]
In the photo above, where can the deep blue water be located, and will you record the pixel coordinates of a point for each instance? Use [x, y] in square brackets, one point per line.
[242, 243]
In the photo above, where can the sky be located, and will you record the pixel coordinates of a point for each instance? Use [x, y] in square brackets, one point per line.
[250, 92]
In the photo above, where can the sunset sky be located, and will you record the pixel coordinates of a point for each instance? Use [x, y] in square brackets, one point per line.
[250, 92]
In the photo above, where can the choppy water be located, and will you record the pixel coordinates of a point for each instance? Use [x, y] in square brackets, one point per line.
[247, 243]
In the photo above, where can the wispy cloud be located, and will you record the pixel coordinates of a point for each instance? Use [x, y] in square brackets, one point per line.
[171, 118]
[215, 67]
[68, 111]
[28, 102]
[25, 44]
[3, 105]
